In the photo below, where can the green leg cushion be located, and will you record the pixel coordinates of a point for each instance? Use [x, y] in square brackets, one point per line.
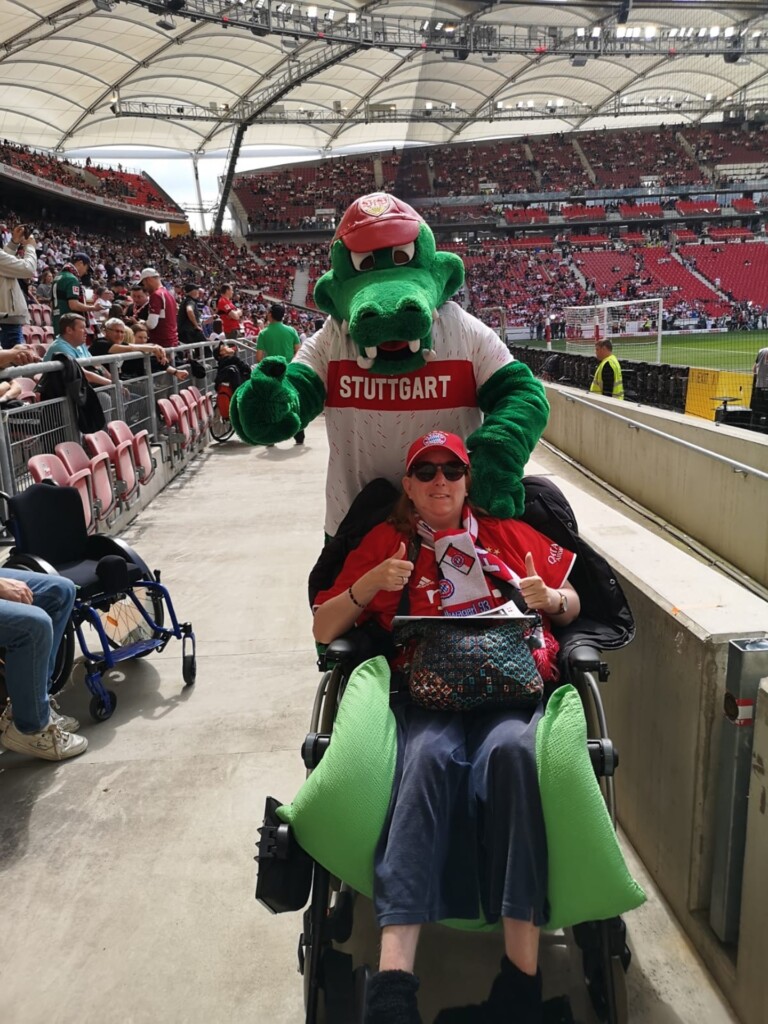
[338, 813]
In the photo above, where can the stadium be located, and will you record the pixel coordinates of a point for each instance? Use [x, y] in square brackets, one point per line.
[178, 179]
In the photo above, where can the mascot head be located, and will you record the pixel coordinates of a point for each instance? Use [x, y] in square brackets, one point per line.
[387, 282]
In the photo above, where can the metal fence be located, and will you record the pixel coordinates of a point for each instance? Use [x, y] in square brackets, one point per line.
[37, 427]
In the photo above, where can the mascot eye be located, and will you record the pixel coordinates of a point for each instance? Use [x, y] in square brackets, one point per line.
[362, 260]
[403, 254]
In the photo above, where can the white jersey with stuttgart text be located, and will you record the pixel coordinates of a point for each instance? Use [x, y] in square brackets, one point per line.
[372, 418]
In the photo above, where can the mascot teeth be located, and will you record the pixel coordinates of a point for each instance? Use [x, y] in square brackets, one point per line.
[435, 316]
[414, 346]
[344, 329]
[429, 354]
[365, 364]
[371, 351]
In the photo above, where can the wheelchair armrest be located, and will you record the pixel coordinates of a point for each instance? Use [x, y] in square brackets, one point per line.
[584, 658]
[355, 647]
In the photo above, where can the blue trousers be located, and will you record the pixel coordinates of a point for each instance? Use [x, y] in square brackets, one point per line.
[10, 335]
[31, 634]
[465, 830]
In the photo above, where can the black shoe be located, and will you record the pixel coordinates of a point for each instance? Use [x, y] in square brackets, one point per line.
[515, 999]
[391, 998]
[299, 438]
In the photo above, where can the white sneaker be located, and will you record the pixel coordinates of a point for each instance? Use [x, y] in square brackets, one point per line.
[65, 722]
[52, 744]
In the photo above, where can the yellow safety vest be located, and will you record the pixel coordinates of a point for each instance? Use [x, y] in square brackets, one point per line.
[618, 386]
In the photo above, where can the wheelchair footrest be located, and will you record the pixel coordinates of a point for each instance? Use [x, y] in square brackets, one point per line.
[285, 870]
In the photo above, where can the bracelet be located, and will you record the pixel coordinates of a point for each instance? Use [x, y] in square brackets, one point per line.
[353, 600]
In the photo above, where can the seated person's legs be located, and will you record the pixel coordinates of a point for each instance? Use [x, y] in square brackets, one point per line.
[34, 610]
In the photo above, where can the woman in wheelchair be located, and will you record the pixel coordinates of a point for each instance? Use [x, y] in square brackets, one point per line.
[465, 801]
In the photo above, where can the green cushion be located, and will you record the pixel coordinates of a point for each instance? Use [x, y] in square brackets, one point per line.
[339, 812]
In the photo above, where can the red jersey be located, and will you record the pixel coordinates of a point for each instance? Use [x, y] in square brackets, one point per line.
[163, 305]
[510, 539]
[224, 307]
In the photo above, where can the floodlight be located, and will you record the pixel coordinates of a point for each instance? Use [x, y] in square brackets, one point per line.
[166, 21]
[625, 6]
[103, 5]
[579, 60]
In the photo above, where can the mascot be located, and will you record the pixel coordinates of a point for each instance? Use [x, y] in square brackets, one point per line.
[394, 359]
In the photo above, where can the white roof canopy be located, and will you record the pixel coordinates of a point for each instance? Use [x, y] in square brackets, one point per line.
[63, 62]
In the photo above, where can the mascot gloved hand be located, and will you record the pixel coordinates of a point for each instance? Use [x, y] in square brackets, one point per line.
[395, 359]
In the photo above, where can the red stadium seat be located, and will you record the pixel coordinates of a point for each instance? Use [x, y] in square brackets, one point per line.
[186, 426]
[103, 494]
[194, 412]
[175, 423]
[121, 457]
[142, 453]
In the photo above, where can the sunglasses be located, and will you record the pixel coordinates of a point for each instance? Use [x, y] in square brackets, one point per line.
[426, 471]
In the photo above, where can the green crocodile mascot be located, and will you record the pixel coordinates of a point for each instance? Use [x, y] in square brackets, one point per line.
[394, 359]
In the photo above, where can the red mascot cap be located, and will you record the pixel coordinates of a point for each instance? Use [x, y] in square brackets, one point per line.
[377, 221]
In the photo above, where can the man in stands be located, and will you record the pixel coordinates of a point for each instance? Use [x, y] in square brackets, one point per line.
[68, 291]
[607, 379]
[137, 309]
[228, 311]
[189, 326]
[72, 341]
[18, 261]
[278, 339]
[163, 314]
[34, 611]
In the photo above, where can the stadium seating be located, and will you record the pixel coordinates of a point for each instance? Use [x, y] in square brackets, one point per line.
[50, 468]
[741, 269]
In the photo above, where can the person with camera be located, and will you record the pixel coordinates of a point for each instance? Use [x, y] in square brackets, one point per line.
[18, 262]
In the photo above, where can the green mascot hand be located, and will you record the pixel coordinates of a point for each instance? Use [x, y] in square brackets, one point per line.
[277, 402]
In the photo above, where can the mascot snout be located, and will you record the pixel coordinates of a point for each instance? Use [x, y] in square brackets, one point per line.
[371, 323]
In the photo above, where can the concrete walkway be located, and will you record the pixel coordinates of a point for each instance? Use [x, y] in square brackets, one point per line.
[127, 878]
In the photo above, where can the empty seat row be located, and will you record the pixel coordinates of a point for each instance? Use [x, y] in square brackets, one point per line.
[107, 475]
[186, 418]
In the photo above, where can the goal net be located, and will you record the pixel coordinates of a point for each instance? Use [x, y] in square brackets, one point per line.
[633, 327]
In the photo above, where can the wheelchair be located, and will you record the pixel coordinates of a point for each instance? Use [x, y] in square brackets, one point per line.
[289, 880]
[120, 608]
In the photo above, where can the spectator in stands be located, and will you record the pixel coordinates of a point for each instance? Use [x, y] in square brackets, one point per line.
[137, 309]
[163, 314]
[277, 339]
[228, 312]
[189, 327]
[34, 611]
[759, 402]
[13, 268]
[134, 368]
[114, 343]
[72, 341]
[45, 287]
[68, 295]
[607, 379]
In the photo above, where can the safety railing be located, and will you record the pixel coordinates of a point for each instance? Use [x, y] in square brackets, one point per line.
[35, 428]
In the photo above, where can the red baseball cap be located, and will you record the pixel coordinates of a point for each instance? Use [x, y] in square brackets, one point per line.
[437, 439]
[377, 221]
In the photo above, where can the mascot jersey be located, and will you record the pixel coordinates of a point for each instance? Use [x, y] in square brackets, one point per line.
[372, 418]
[395, 359]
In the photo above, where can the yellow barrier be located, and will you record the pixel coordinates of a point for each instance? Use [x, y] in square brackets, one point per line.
[705, 387]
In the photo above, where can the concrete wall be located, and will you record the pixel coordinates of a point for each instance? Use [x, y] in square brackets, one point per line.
[664, 708]
[722, 509]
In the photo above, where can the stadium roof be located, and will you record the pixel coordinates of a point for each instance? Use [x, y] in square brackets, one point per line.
[64, 63]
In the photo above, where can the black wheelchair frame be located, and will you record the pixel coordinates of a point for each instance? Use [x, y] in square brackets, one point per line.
[288, 878]
[48, 526]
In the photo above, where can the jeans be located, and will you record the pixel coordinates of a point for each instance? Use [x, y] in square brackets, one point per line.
[31, 635]
[10, 335]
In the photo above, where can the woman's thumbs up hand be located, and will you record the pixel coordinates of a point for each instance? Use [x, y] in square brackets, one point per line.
[538, 596]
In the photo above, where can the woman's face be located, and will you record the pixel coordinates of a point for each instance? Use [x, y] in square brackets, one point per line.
[438, 501]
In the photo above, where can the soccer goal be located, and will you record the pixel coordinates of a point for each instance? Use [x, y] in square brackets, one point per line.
[633, 327]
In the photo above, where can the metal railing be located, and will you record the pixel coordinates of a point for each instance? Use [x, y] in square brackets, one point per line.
[35, 428]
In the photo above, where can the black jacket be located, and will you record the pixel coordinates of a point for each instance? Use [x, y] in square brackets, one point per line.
[71, 384]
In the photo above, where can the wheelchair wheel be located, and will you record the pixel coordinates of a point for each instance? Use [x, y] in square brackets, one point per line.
[100, 710]
[221, 429]
[189, 669]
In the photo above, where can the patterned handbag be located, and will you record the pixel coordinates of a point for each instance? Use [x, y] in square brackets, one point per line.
[455, 664]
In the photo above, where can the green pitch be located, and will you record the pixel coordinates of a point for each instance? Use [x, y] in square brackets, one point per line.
[735, 350]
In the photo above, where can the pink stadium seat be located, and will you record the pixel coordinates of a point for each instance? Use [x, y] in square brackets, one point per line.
[50, 467]
[204, 406]
[47, 317]
[28, 390]
[103, 495]
[185, 425]
[36, 312]
[175, 423]
[194, 413]
[142, 453]
[121, 457]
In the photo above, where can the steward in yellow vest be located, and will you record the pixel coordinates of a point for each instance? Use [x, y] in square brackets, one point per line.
[607, 379]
